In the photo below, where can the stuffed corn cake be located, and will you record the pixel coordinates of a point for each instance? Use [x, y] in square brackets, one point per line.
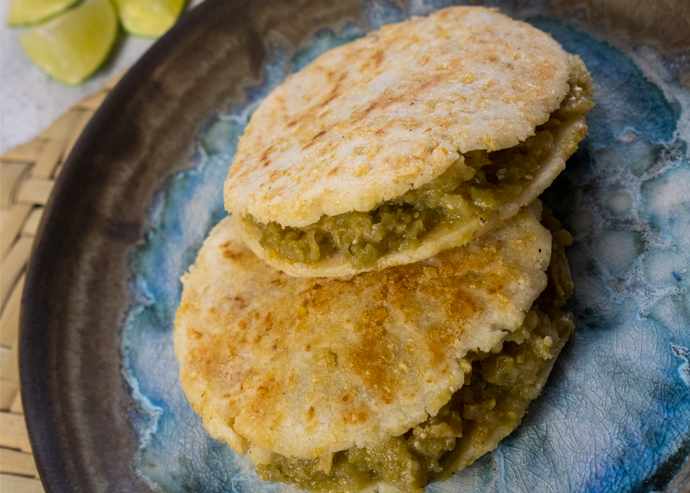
[411, 140]
[398, 376]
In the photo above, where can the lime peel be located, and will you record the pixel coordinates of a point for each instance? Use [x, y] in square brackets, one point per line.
[26, 12]
[72, 46]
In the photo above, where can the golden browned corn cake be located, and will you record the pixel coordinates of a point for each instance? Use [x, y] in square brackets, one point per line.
[396, 376]
[411, 140]
[386, 299]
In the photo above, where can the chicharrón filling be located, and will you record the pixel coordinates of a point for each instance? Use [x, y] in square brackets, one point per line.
[499, 385]
[477, 183]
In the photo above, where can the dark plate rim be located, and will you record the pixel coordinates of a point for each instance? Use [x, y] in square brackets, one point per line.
[35, 365]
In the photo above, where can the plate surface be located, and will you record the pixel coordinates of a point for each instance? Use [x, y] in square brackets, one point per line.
[143, 187]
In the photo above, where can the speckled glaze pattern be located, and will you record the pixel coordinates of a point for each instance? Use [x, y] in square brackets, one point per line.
[615, 415]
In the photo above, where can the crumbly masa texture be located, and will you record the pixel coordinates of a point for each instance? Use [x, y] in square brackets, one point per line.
[309, 367]
[499, 385]
[477, 192]
[476, 184]
[368, 121]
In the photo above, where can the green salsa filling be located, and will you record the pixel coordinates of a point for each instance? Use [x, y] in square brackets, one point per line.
[476, 184]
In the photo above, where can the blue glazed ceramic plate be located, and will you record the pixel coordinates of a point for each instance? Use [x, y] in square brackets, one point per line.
[104, 404]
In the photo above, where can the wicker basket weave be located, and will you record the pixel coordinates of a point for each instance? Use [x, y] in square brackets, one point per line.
[27, 174]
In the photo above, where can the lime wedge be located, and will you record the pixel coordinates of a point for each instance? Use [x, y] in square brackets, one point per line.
[72, 46]
[24, 12]
[148, 18]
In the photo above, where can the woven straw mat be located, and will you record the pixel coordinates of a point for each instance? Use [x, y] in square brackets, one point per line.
[27, 174]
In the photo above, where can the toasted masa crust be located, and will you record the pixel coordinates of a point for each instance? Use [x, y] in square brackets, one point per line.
[370, 120]
[306, 367]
